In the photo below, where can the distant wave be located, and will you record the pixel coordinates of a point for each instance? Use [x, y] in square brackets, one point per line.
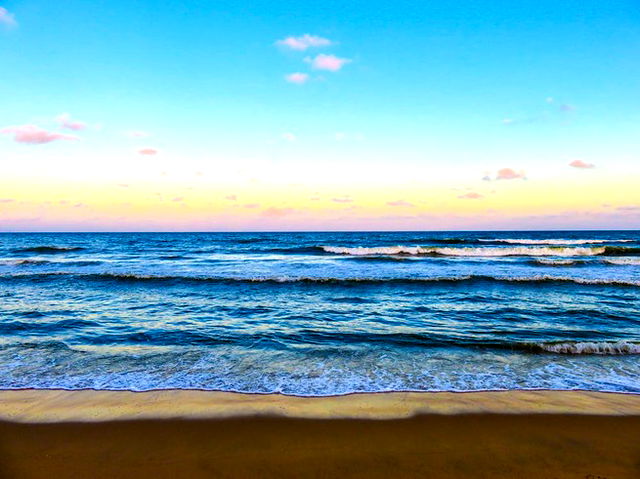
[165, 337]
[555, 241]
[34, 262]
[47, 249]
[630, 261]
[177, 279]
[483, 252]
[556, 262]
[620, 347]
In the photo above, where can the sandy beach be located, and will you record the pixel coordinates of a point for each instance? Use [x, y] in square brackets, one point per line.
[194, 434]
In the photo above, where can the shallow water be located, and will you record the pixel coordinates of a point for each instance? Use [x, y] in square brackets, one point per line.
[321, 313]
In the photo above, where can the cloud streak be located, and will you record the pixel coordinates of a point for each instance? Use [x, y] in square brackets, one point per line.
[399, 203]
[581, 164]
[304, 42]
[65, 121]
[330, 63]
[34, 135]
[137, 134]
[277, 212]
[471, 196]
[297, 78]
[7, 19]
[509, 174]
[148, 151]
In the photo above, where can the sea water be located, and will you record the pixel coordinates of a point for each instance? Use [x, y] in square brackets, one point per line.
[321, 313]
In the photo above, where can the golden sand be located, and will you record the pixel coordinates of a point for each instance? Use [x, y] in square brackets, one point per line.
[88, 405]
[198, 434]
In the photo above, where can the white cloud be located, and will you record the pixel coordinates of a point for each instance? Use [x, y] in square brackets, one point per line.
[303, 42]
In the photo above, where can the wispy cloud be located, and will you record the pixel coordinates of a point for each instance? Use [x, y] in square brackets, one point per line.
[471, 196]
[399, 203]
[327, 62]
[509, 174]
[65, 121]
[628, 208]
[277, 212]
[231, 197]
[343, 199]
[549, 112]
[297, 78]
[581, 164]
[34, 135]
[7, 19]
[137, 134]
[522, 121]
[288, 136]
[251, 205]
[148, 151]
[303, 42]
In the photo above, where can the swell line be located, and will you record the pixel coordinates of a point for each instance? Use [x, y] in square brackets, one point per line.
[322, 338]
[128, 277]
[483, 252]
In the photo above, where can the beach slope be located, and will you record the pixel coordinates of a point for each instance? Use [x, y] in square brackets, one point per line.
[197, 434]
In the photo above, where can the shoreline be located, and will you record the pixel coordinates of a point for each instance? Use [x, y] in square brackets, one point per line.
[203, 434]
[61, 405]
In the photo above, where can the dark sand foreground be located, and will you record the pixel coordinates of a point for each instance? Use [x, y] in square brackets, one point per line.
[195, 434]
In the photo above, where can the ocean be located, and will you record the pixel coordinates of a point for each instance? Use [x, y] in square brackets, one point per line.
[318, 314]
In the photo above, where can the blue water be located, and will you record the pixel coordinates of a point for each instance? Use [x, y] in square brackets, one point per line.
[321, 313]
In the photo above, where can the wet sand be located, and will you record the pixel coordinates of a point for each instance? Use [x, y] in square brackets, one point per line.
[197, 434]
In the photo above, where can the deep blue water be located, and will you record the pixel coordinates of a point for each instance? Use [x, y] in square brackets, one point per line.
[321, 313]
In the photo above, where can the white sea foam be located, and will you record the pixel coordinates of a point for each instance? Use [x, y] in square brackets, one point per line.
[620, 347]
[624, 261]
[556, 262]
[554, 241]
[363, 251]
[467, 252]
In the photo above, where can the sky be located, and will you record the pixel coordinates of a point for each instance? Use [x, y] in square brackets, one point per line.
[197, 115]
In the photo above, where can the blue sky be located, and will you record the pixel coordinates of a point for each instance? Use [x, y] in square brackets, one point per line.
[463, 86]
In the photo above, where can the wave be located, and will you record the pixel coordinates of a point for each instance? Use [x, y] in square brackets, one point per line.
[35, 262]
[283, 340]
[556, 262]
[483, 252]
[601, 348]
[47, 249]
[555, 241]
[630, 261]
[294, 250]
[175, 279]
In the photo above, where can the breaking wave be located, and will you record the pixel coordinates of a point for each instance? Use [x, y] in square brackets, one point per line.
[620, 347]
[483, 252]
[631, 261]
[555, 241]
[556, 262]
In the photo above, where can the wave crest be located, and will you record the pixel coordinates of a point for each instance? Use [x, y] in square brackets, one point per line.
[554, 241]
[484, 252]
[608, 348]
